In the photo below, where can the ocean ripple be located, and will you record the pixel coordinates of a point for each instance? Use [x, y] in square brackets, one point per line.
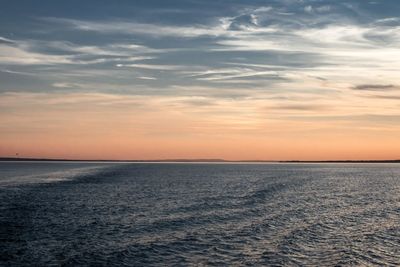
[204, 214]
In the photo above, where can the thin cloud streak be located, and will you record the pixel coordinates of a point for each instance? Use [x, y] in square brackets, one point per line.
[374, 87]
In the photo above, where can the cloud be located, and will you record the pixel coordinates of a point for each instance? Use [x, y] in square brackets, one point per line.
[300, 107]
[78, 60]
[147, 78]
[113, 49]
[243, 22]
[199, 102]
[6, 41]
[232, 73]
[321, 9]
[388, 97]
[373, 87]
[15, 55]
[129, 27]
[308, 9]
[392, 21]
[34, 52]
[17, 72]
[263, 9]
[67, 85]
[152, 66]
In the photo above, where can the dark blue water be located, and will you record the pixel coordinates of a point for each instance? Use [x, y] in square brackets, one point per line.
[80, 214]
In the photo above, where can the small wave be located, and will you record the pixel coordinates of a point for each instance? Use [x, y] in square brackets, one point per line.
[52, 177]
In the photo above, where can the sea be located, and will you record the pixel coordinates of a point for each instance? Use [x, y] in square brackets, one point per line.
[199, 214]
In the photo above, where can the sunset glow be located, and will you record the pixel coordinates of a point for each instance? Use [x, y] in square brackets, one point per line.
[265, 80]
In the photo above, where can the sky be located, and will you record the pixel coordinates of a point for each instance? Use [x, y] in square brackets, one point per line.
[265, 80]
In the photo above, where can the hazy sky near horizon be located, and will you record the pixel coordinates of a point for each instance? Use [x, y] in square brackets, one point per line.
[289, 79]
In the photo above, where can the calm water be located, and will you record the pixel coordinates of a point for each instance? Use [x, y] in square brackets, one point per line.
[199, 214]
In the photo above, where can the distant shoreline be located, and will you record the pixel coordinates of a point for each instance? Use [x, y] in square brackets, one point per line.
[197, 160]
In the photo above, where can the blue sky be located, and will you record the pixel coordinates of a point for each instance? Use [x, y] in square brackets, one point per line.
[240, 64]
[156, 45]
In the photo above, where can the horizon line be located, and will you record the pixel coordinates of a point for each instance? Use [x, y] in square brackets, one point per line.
[201, 160]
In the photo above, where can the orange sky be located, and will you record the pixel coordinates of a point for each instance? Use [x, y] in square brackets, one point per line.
[104, 126]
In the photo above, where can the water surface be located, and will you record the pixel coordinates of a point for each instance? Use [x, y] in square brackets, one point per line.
[199, 214]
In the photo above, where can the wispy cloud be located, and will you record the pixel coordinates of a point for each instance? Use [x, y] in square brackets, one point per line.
[152, 66]
[68, 85]
[264, 46]
[301, 107]
[232, 73]
[129, 27]
[373, 87]
[147, 78]
[12, 53]
[32, 52]
[6, 41]
[387, 97]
